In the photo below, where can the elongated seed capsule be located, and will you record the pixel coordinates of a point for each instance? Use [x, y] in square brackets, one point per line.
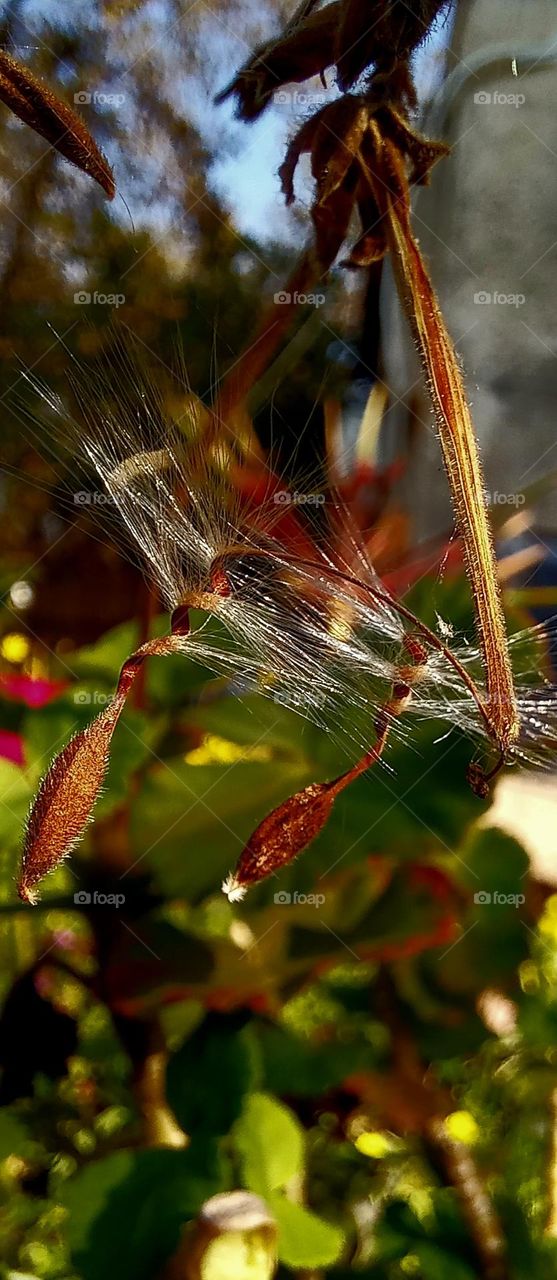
[35, 103]
[295, 823]
[292, 826]
[68, 792]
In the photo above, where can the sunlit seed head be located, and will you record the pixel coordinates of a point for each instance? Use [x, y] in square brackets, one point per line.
[234, 891]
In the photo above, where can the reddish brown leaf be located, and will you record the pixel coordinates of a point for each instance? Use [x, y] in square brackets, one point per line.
[300, 54]
[373, 31]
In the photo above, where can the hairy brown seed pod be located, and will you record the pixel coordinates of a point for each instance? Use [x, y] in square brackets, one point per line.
[45, 113]
[65, 799]
[289, 828]
[68, 792]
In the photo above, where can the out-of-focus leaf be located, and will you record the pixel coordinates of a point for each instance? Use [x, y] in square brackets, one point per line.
[14, 1137]
[254, 720]
[191, 822]
[155, 958]
[304, 1239]
[271, 1144]
[494, 940]
[437, 1263]
[209, 1077]
[168, 683]
[126, 1211]
[423, 806]
[15, 797]
[294, 1066]
[405, 920]
[104, 658]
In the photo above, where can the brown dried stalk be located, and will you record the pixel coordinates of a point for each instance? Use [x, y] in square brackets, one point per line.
[359, 147]
[460, 453]
[478, 1209]
[45, 113]
[359, 151]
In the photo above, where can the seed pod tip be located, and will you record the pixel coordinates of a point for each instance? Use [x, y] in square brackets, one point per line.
[232, 888]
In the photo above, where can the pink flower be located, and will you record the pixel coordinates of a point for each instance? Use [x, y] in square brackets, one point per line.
[11, 747]
[34, 693]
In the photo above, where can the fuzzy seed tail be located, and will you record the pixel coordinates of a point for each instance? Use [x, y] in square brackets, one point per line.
[232, 889]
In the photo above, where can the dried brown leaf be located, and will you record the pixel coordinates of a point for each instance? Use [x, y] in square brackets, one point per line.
[297, 56]
[372, 245]
[374, 31]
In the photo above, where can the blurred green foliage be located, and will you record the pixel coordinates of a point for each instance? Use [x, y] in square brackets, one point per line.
[302, 1044]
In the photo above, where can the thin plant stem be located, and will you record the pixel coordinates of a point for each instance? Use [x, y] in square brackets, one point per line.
[458, 441]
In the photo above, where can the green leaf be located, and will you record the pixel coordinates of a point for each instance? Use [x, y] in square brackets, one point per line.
[423, 807]
[126, 1212]
[438, 1263]
[169, 681]
[14, 1137]
[130, 749]
[304, 1239]
[299, 1068]
[271, 1144]
[208, 1078]
[191, 822]
[104, 658]
[15, 798]
[253, 719]
[494, 939]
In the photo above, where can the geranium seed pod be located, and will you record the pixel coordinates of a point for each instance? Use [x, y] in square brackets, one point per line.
[67, 794]
[40, 108]
[281, 837]
[288, 830]
[65, 799]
